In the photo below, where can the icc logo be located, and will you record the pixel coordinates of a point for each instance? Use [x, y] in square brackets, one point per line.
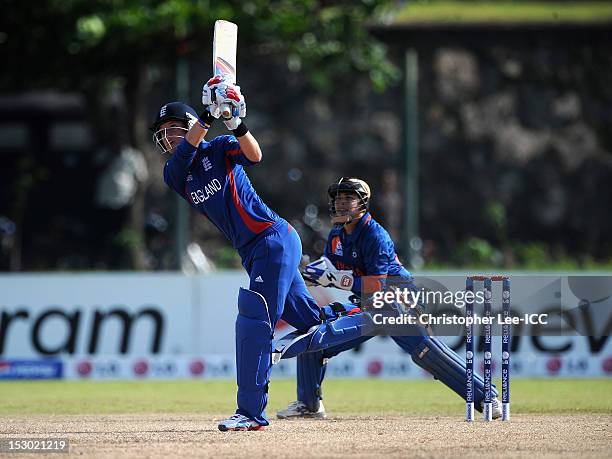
[487, 355]
[506, 295]
[505, 355]
[469, 355]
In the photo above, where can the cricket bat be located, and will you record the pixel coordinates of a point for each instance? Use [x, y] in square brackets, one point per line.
[225, 42]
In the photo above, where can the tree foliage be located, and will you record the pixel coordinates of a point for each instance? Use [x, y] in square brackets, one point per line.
[60, 43]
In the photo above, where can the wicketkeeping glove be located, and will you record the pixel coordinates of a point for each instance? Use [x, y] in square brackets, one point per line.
[322, 272]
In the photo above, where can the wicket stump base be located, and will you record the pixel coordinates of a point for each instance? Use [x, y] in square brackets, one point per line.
[488, 411]
[469, 413]
[505, 411]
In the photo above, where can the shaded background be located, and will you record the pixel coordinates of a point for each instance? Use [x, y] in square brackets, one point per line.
[514, 117]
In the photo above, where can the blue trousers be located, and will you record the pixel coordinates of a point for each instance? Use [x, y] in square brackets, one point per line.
[272, 262]
[311, 369]
[426, 351]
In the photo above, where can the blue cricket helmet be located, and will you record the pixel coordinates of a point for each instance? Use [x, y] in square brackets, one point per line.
[175, 111]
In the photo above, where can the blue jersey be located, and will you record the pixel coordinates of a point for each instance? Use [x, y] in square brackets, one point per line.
[212, 179]
[367, 251]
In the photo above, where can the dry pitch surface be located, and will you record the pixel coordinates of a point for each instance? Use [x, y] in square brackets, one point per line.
[155, 435]
[368, 418]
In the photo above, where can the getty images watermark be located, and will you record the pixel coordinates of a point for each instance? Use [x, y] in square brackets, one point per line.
[541, 305]
[400, 299]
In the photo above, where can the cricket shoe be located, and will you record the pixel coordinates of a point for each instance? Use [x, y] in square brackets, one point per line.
[299, 409]
[238, 422]
[496, 408]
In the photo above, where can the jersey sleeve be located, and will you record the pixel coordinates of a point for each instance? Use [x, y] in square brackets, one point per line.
[176, 168]
[232, 150]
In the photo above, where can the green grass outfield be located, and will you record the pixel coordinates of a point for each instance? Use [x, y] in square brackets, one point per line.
[355, 396]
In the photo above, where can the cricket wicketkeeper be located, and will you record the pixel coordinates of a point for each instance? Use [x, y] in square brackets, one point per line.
[360, 251]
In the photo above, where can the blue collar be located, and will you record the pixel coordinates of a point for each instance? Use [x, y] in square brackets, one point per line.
[363, 221]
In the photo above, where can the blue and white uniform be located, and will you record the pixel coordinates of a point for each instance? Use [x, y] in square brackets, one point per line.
[212, 179]
[369, 251]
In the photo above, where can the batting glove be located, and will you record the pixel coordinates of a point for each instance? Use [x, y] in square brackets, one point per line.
[228, 95]
[209, 96]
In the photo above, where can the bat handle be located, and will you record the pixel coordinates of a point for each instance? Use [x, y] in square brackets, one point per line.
[226, 111]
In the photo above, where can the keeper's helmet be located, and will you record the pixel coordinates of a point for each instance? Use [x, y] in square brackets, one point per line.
[166, 139]
[358, 187]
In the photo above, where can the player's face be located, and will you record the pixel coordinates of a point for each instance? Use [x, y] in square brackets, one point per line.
[346, 203]
[169, 135]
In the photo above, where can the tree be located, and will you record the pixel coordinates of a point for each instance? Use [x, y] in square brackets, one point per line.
[98, 46]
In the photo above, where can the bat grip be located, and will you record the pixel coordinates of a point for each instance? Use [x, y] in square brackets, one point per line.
[226, 111]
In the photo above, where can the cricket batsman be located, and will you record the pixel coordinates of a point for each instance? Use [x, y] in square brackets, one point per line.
[359, 256]
[210, 176]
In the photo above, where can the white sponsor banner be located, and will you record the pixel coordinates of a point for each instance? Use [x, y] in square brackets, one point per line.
[350, 364]
[168, 325]
[150, 367]
[118, 314]
[96, 314]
